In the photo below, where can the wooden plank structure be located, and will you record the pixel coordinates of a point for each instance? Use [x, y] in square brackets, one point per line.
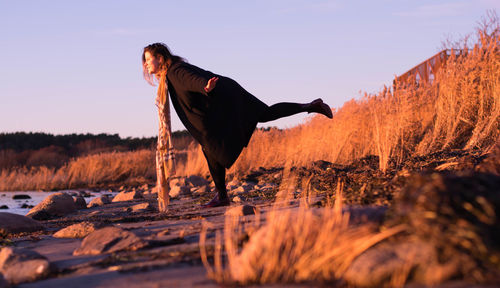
[426, 71]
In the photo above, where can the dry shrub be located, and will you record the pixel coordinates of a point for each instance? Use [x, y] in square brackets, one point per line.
[293, 246]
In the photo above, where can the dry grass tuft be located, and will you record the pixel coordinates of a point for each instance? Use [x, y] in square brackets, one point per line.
[295, 245]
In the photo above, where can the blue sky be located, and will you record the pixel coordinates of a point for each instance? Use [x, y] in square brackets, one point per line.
[74, 66]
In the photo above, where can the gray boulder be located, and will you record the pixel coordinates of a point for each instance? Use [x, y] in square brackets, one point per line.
[14, 223]
[196, 181]
[22, 265]
[109, 240]
[127, 196]
[78, 230]
[80, 202]
[54, 205]
[376, 266]
[99, 201]
[142, 207]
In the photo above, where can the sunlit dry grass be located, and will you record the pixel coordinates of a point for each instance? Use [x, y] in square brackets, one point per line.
[293, 246]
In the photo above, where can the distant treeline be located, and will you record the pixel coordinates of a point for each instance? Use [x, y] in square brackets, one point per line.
[21, 141]
[41, 149]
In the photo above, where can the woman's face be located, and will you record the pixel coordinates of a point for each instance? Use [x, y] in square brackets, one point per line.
[152, 64]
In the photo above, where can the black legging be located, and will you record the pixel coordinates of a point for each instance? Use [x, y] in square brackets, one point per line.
[273, 112]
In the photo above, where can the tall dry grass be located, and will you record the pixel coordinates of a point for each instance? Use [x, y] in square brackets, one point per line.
[293, 246]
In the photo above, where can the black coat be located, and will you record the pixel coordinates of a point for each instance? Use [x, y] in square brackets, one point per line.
[223, 120]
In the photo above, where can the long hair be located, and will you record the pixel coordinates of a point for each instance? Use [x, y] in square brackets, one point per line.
[158, 50]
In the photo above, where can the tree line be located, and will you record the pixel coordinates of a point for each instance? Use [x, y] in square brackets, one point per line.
[30, 149]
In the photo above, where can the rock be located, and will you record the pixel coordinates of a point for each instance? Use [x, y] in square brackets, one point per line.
[242, 189]
[154, 190]
[80, 202]
[84, 193]
[180, 181]
[196, 181]
[78, 230]
[141, 207]
[24, 206]
[55, 205]
[176, 191]
[14, 223]
[22, 265]
[234, 182]
[127, 196]
[237, 199]
[200, 190]
[99, 201]
[243, 210]
[376, 266]
[21, 196]
[109, 240]
[4, 207]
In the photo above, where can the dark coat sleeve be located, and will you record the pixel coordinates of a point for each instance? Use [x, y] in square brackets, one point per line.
[192, 78]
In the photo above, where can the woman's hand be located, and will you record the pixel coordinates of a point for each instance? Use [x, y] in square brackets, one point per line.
[211, 84]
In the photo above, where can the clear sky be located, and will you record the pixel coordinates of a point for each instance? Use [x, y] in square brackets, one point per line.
[74, 66]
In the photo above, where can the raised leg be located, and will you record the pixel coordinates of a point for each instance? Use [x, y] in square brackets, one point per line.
[286, 109]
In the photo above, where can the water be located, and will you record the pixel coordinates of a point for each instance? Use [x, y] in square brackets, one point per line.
[37, 197]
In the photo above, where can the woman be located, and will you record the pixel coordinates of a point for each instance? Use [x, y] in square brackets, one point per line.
[216, 110]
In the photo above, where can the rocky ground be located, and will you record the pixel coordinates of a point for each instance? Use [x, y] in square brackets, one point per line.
[125, 242]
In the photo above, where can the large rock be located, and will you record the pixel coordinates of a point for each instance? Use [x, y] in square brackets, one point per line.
[14, 223]
[80, 202]
[55, 205]
[109, 240]
[78, 230]
[99, 201]
[22, 265]
[127, 196]
[21, 197]
[142, 207]
[378, 265]
[196, 181]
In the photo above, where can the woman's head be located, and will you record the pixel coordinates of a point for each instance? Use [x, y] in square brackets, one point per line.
[156, 58]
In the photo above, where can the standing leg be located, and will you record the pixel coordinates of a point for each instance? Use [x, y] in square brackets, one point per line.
[218, 173]
[285, 109]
